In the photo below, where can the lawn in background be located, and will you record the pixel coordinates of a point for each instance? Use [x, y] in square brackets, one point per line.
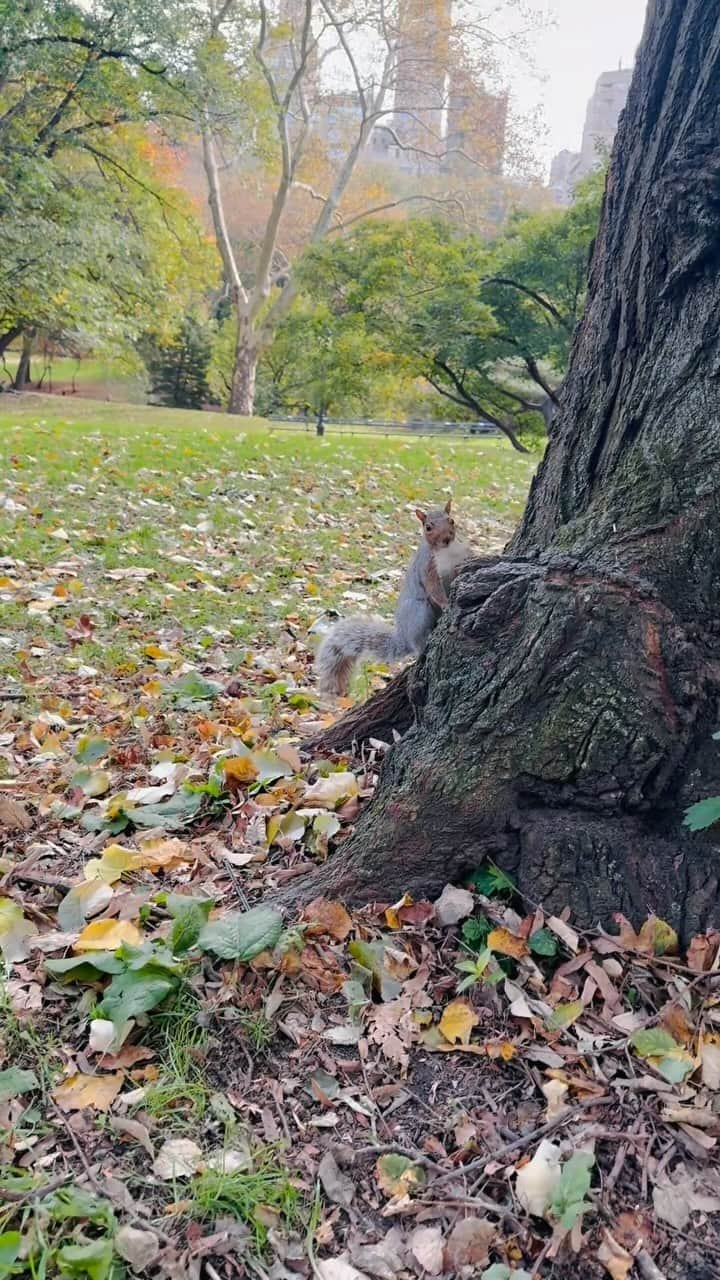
[250, 532]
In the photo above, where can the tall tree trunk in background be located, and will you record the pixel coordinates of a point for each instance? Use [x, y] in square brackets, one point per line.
[242, 389]
[22, 373]
[564, 710]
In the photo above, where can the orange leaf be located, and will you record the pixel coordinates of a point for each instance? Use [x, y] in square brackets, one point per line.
[327, 917]
[506, 944]
[240, 769]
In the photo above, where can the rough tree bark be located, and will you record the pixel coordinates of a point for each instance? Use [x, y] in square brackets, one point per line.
[564, 710]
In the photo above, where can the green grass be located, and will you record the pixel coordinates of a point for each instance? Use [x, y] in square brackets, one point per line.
[248, 530]
[261, 1196]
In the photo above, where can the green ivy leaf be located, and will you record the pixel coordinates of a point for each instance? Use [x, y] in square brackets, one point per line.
[91, 1261]
[133, 992]
[489, 879]
[85, 968]
[190, 915]
[10, 1242]
[568, 1202]
[654, 1042]
[240, 935]
[14, 1081]
[543, 943]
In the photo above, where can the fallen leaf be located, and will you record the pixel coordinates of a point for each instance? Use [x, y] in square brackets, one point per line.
[339, 1269]
[426, 1246]
[240, 769]
[84, 900]
[15, 1081]
[325, 917]
[110, 866]
[398, 1175]
[337, 1186]
[137, 1247]
[457, 1022]
[555, 1092]
[14, 932]
[710, 1058]
[453, 905]
[469, 1243]
[125, 1127]
[563, 1015]
[564, 933]
[616, 1260]
[506, 944]
[392, 917]
[538, 1180]
[177, 1158]
[108, 935]
[331, 791]
[80, 1091]
[14, 815]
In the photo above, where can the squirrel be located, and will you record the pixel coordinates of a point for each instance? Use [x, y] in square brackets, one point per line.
[422, 598]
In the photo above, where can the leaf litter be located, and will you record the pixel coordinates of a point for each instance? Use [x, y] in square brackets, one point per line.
[195, 1085]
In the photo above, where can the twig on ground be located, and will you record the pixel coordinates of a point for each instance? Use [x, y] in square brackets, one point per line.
[645, 1264]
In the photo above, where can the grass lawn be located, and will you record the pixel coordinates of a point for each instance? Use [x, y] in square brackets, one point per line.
[247, 530]
[183, 1070]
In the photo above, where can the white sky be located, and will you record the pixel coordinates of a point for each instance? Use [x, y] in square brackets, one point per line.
[589, 36]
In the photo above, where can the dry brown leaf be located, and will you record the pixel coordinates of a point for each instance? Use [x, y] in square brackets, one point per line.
[507, 944]
[14, 815]
[469, 1243]
[80, 1091]
[616, 1260]
[327, 917]
[702, 951]
[426, 1246]
[163, 855]
[457, 1022]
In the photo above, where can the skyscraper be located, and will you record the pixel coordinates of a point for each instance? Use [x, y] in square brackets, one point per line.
[421, 79]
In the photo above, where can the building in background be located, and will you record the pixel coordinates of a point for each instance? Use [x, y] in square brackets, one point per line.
[601, 122]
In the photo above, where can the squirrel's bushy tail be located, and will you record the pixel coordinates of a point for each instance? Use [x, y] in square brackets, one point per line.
[349, 640]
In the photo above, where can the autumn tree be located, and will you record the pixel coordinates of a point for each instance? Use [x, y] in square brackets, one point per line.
[562, 719]
[96, 246]
[253, 68]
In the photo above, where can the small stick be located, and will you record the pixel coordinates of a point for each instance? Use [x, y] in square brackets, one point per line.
[645, 1264]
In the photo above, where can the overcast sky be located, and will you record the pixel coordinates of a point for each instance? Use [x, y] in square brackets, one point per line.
[589, 36]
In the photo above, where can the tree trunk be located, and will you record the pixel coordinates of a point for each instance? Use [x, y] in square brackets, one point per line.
[242, 389]
[9, 336]
[22, 373]
[565, 707]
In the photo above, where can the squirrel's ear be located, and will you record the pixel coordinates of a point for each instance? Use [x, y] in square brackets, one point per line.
[448, 505]
[420, 515]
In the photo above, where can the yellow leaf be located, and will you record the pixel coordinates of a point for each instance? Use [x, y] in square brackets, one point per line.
[392, 919]
[240, 768]
[398, 1176]
[457, 1022]
[159, 655]
[108, 935]
[506, 944]
[152, 688]
[114, 861]
[80, 1091]
[658, 937]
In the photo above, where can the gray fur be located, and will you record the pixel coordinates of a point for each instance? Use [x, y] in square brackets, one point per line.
[349, 640]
